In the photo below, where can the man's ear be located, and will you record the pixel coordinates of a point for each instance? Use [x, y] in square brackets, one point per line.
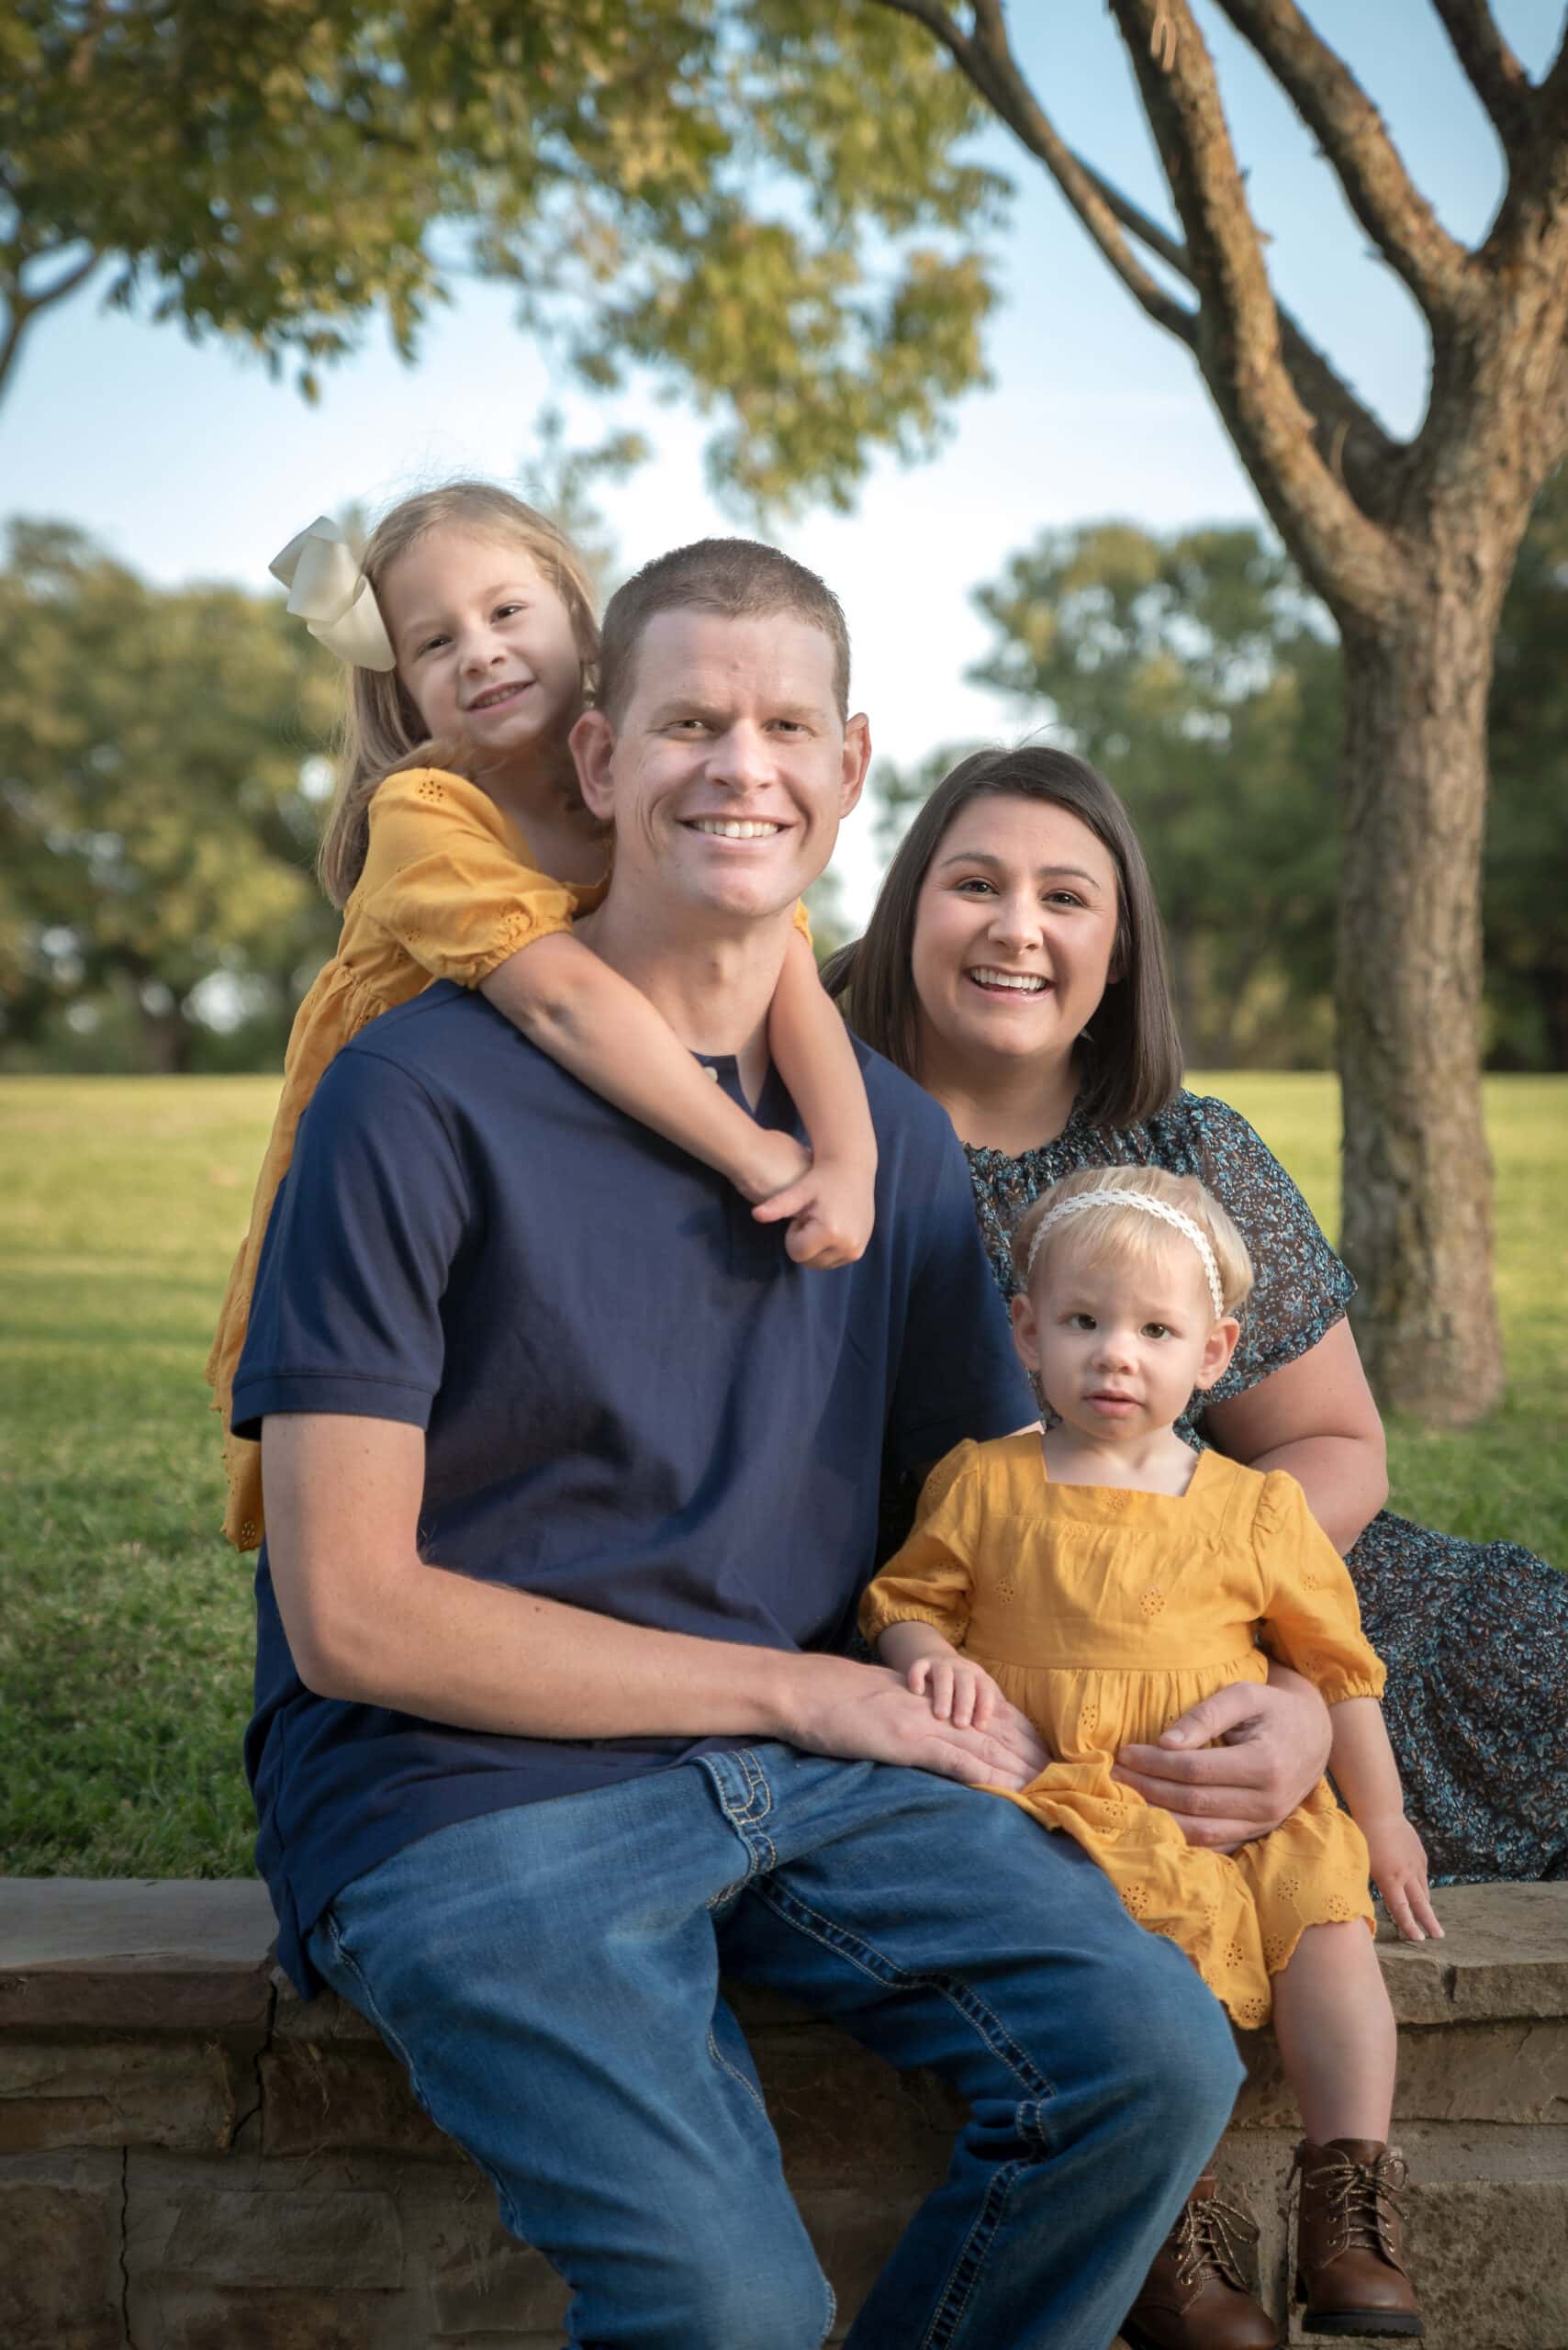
[1217, 1351]
[1026, 1334]
[592, 742]
[856, 759]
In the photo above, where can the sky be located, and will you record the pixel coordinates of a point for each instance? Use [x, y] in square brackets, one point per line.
[188, 461]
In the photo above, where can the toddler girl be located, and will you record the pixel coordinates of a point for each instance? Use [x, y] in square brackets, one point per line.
[1104, 1577]
[470, 635]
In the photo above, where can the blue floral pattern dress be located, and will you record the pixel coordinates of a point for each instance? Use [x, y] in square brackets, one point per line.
[1475, 1635]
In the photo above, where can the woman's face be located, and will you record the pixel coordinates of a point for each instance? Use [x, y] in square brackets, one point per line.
[1014, 932]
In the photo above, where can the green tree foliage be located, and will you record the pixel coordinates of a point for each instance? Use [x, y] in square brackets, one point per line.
[1198, 674]
[697, 187]
[156, 824]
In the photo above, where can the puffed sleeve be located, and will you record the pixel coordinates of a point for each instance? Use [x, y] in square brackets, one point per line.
[1311, 1620]
[447, 876]
[1302, 1288]
[803, 919]
[928, 1581]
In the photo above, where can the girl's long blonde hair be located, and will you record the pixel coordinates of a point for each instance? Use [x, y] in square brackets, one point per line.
[381, 729]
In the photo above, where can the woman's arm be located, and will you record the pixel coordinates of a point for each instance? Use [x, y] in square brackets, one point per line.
[601, 1029]
[830, 1207]
[1315, 1417]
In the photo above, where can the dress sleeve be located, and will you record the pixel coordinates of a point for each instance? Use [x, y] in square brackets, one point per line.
[802, 920]
[1311, 1620]
[447, 876]
[928, 1581]
[1302, 1288]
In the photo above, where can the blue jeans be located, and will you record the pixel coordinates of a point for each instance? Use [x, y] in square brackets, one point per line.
[550, 1977]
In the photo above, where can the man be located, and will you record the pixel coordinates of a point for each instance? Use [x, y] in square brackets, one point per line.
[571, 1487]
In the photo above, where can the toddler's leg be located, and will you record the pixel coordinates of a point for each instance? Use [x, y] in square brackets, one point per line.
[1336, 2032]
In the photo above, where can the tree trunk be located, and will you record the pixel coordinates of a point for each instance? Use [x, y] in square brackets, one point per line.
[1417, 1176]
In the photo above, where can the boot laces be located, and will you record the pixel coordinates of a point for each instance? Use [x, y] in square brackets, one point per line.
[1361, 2200]
[1213, 2234]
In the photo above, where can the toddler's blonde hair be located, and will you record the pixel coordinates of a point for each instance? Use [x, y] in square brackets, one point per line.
[382, 731]
[1110, 1234]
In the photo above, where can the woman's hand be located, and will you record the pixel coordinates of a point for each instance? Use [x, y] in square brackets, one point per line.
[957, 1690]
[1274, 1744]
[1399, 1872]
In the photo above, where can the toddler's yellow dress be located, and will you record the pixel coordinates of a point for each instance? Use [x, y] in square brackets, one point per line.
[1104, 1614]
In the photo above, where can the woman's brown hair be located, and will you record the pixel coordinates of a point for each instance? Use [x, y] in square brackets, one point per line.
[1130, 1065]
[382, 731]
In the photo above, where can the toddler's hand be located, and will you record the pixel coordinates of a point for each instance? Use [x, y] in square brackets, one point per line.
[1399, 1872]
[957, 1690]
[830, 1215]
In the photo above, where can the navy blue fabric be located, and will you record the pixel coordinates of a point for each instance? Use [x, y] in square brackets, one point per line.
[632, 1400]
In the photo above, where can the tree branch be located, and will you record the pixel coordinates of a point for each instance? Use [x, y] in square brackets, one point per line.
[1347, 433]
[988, 62]
[1348, 127]
[1490, 66]
[1240, 338]
[21, 308]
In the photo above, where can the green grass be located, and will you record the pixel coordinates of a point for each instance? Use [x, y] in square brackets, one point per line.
[125, 1623]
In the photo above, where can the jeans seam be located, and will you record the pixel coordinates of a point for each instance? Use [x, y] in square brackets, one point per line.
[509, 2213]
[871, 1961]
[955, 2299]
[743, 1815]
[735, 2075]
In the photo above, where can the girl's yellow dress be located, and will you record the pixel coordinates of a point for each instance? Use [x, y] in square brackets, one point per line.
[1104, 1614]
[450, 888]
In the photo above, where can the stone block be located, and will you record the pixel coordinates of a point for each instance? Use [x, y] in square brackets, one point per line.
[58, 2245]
[319, 2096]
[141, 2092]
[324, 2018]
[242, 2225]
[854, 2229]
[267, 2320]
[481, 2280]
[183, 1956]
[1504, 1955]
[844, 2118]
[1502, 2073]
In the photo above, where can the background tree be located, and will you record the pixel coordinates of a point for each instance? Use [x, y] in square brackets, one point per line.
[1527, 825]
[769, 203]
[156, 822]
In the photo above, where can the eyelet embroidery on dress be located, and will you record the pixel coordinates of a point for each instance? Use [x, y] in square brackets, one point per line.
[1152, 1600]
[1339, 1909]
[247, 1533]
[1290, 1887]
[1235, 1956]
[427, 789]
[1135, 1897]
[1005, 1587]
[1252, 2013]
[1089, 1712]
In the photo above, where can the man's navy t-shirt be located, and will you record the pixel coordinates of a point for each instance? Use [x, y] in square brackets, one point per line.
[632, 1400]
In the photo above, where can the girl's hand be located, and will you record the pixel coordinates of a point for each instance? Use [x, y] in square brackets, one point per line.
[956, 1691]
[778, 1164]
[1399, 1872]
[829, 1213]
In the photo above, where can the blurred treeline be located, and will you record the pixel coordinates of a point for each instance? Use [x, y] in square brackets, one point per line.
[164, 765]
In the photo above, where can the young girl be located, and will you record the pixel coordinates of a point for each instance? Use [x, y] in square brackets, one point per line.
[1104, 1577]
[470, 636]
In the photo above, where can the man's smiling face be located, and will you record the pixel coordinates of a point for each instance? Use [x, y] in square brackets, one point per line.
[730, 767]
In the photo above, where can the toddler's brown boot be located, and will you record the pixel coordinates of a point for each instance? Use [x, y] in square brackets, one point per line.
[1350, 2250]
[1196, 2297]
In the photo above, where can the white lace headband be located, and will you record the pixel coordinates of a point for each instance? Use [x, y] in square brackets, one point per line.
[1146, 1206]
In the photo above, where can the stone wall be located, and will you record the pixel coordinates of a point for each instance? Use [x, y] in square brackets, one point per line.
[191, 2159]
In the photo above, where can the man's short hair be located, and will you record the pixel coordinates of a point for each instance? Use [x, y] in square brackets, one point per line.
[738, 579]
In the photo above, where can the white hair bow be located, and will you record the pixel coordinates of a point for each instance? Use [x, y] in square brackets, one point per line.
[330, 594]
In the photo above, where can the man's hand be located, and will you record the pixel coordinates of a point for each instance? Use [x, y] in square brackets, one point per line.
[1274, 1752]
[863, 1713]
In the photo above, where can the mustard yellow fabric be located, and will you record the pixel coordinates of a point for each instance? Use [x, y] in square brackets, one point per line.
[1103, 1615]
[450, 889]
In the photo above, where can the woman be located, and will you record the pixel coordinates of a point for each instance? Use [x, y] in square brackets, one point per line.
[1014, 965]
